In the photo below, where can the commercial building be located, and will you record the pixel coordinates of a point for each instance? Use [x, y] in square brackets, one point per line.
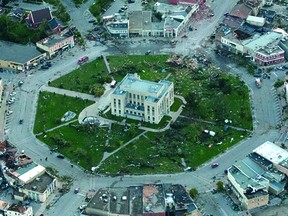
[275, 154]
[13, 209]
[263, 49]
[19, 57]
[261, 172]
[145, 200]
[141, 99]
[56, 43]
[30, 181]
[118, 28]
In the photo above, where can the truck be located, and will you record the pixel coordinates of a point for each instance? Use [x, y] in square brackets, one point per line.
[82, 60]
[258, 82]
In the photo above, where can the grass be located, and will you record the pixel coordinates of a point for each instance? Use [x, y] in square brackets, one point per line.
[85, 145]
[162, 152]
[211, 95]
[84, 78]
[176, 105]
[51, 108]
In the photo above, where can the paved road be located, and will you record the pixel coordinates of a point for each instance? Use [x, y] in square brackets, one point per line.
[23, 138]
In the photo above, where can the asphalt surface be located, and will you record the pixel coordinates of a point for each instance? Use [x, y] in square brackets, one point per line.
[263, 103]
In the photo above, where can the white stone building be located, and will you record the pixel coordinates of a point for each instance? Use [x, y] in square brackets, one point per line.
[141, 99]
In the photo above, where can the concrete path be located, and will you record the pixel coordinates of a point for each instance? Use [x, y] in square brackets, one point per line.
[101, 104]
[69, 93]
[107, 64]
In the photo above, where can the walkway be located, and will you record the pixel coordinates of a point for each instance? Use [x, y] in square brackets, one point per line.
[107, 64]
[69, 93]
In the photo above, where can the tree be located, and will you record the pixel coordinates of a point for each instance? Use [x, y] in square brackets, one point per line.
[220, 186]
[194, 193]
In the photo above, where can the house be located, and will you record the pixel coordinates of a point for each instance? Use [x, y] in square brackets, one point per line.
[255, 5]
[19, 210]
[56, 25]
[17, 14]
[35, 18]
[141, 99]
[256, 21]
[19, 57]
[56, 43]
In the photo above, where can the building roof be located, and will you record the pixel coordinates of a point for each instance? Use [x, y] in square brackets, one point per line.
[272, 152]
[3, 205]
[263, 41]
[153, 198]
[17, 53]
[251, 195]
[232, 21]
[132, 82]
[40, 15]
[40, 183]
[260, 160]
[185, 1]
[53, 39]
[31, 174]
[54, 23]
[270, 50]
[255, 19]
[241, 10]
[17, 208]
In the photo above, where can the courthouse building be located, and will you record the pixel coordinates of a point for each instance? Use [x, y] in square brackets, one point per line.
[141, 99]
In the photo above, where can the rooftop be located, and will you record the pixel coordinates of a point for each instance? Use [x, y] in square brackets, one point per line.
[263, 40]
[256, 194]
[244, 181]
[29, 175]
[17, 208]
[3, 205]
[113, 200]
[17, 53]
[40, 184]
[153, 198]
[241, 10]
[40, 15]
[139, 19]
[270, 50]
[260, 160]
[54, 39]
[132, 82]
[272, 152]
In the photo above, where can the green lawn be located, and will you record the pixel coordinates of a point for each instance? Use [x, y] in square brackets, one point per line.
[162, 152]
[86, 145]
[51, 108]
[84, 78]
[80, 143]
[176, 105]
[211, 95]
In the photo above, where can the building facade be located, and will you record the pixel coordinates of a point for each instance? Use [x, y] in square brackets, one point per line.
[118, 28]
[55, 43]
[269, 56]
[142, 100]
[19, 210]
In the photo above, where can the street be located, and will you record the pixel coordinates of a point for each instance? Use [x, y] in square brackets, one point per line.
[264, 107]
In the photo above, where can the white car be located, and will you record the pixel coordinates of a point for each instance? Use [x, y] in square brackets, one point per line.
[13, 93]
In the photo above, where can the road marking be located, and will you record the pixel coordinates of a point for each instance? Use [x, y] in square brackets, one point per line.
[275, 74]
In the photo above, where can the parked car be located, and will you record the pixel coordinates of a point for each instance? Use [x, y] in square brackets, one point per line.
[44, 67]
[21, 121]
[76, 190]
[214, 165]
[60, 156]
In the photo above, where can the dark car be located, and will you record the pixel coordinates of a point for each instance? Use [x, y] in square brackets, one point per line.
[21, 121]
[60, 156]
[49, 64]
[44, 67]
[92, 21]
[214, 165]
